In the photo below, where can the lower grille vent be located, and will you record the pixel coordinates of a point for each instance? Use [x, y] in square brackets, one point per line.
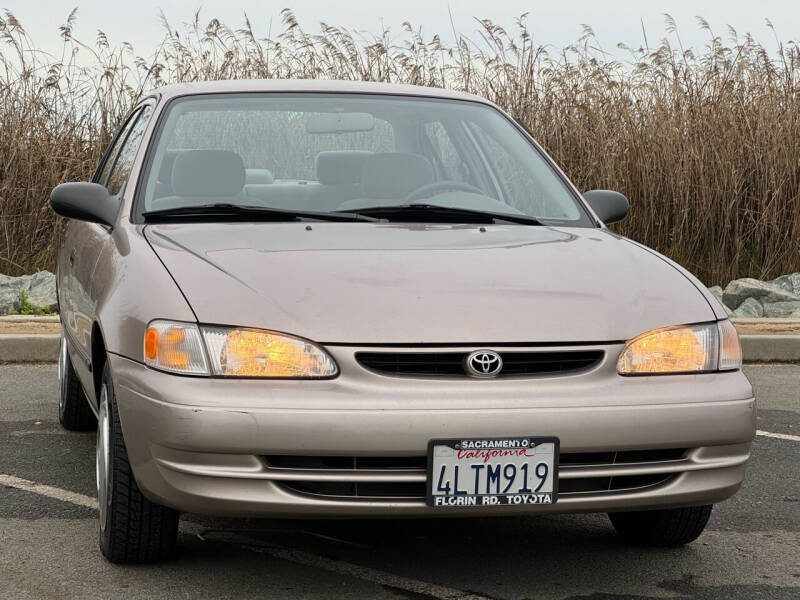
[415, 490]
[348, 462]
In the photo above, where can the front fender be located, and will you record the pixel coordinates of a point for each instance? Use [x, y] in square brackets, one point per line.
[132, 287]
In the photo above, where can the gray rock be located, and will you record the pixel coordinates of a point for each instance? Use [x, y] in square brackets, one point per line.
[9, 293]
[9, 300]
[738, 290]
[782, 310]
[749, 309]
[40, 288]
[791, 283]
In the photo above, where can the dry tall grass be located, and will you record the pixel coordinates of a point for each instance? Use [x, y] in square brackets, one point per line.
[706, 145]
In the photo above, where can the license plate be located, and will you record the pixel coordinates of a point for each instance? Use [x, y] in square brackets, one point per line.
[492, 471]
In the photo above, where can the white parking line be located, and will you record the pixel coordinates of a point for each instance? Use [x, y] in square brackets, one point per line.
[47, 490]
[289, 554]
[779, 436]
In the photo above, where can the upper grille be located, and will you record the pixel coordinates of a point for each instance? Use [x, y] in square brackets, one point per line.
[452, 363]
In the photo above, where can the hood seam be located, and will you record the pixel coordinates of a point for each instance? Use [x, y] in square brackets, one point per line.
[166, 268]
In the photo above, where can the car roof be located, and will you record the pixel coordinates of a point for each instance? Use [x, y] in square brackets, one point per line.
[311, 86]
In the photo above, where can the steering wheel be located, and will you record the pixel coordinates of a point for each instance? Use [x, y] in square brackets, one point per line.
[438, 187]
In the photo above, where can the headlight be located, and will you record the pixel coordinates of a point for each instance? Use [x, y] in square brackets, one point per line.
[235, 352]
[175, 347]
[682, 349]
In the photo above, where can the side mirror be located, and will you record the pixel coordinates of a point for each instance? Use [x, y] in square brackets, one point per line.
[609, 206]
[86, 202]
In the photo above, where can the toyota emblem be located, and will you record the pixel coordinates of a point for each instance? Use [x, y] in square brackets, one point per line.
[483, 364]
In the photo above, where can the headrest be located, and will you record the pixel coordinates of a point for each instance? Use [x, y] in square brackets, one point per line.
[165, 172]
[394, 175]
[340, 168]
[208, 173]
[261, 176]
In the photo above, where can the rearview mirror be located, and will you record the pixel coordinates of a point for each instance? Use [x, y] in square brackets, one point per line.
[86, 202]
[340, 123]
[609, 206]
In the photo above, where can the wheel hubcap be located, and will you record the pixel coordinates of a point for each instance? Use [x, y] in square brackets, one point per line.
[102, 463]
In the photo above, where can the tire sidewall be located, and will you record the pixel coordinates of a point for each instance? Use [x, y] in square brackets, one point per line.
[136, 530]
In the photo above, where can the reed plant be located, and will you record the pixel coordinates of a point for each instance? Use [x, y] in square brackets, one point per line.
[705, 142]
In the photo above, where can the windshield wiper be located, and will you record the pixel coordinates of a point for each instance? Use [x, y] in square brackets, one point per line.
[441, 214]
[399, 212]
[249, 212]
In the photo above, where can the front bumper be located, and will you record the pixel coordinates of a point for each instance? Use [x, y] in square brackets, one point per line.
[199, 445]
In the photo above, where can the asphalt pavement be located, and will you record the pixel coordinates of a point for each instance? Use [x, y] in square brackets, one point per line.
[48, 532]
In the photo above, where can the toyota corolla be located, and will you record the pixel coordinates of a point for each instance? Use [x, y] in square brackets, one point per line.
[333, 299]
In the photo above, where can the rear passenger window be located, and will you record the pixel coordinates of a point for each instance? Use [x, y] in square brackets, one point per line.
[123, 162]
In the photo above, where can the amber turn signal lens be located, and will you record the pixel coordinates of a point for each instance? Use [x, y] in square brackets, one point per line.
[175, 347]
[151, 343]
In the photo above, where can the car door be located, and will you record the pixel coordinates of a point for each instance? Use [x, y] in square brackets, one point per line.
[84, 242]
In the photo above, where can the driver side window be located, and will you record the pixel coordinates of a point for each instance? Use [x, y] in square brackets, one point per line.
[118, 165]
[113, 151]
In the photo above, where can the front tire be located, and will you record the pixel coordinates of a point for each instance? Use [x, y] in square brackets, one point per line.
[74, 412]
[662, 528]
[132, 528]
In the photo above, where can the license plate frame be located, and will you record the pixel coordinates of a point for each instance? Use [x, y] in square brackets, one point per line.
[503, 499]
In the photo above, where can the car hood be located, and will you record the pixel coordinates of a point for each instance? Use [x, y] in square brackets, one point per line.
[359, 283]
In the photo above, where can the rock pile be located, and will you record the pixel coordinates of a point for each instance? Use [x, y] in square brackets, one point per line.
[752, 298]
[39, 288]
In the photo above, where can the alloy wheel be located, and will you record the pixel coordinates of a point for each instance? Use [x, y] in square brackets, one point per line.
[62, 370]
[103, 461]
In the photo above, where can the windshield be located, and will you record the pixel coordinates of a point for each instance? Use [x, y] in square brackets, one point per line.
[345, 152]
